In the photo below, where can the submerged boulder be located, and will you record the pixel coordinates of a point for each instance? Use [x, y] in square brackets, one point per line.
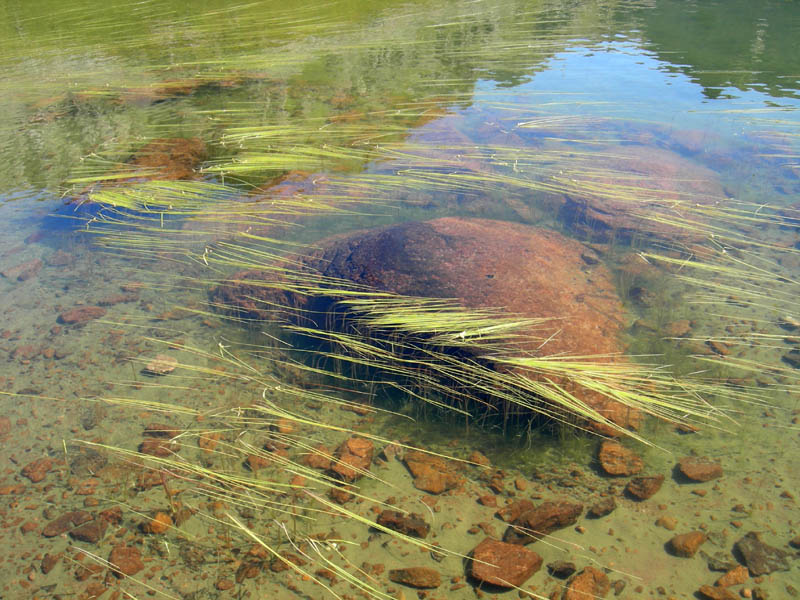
[639, 191]
[528, 271]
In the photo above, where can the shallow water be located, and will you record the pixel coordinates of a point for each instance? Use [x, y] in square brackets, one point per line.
[663, 135]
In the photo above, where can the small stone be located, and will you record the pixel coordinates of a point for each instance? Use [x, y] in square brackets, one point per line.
[431, 473]
[501, 564]
[699, 468]
[667, 522]
[91, 532]
[49, 562]
[680, 328]
[318, 458]
[36, 470]
[158, 447]
[125, 560]
[541, 521]
[589, 583]
[602, 508]
[561, 569]
[513, 511]
[81, 315]
[687, 544]
[488, 500]
[162, 364]
[413, 524]
[643, 488]
[65, 522]
[718, 347]
[716, 593]
[160, 523]
[354, 457]
[735, 576]
[417, 577]
[616, 459]
[479, 459]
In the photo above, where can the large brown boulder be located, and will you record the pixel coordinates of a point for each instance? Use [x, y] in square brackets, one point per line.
[528, 271]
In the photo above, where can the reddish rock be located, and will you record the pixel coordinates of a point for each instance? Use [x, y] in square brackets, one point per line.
[687, 544]
[91, 532]
[417, 577]
[341, 495]
[354, 457]
[589, 583]
[36, 470]
[413, 524]
[501, 564]
[5, 425]
[488, 500]
[170, 158]
[160, 523]
[513, 511]
[657, 182]
[699, 468]
[479, 459]
[25, 352]
[112, 515]
[125, 560]
[643, 488]
[158, 447]
[318, 458]
[529, 271]
[736, 576]
[680, 328]
[431, 474]
[23, 271]
[81, 315]
[716, 593]
[616, 459]
[257, 461]
[49, 562]
[541, 521]
[65, 522]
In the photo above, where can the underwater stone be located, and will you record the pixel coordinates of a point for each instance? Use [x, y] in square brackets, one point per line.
[687, 544]
[699, 468]
[616, 459]
[530, 272]
[501, 564]
[589, 583]
[125, 560]
[81, 315]
[412, 524]
[760, 558]
[660, 181]
[431, 474]
[417, 577]
[354, 457]
[643, 488]
[602, 508]
[541, 521]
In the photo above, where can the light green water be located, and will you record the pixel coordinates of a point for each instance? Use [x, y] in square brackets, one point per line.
[677, 121]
